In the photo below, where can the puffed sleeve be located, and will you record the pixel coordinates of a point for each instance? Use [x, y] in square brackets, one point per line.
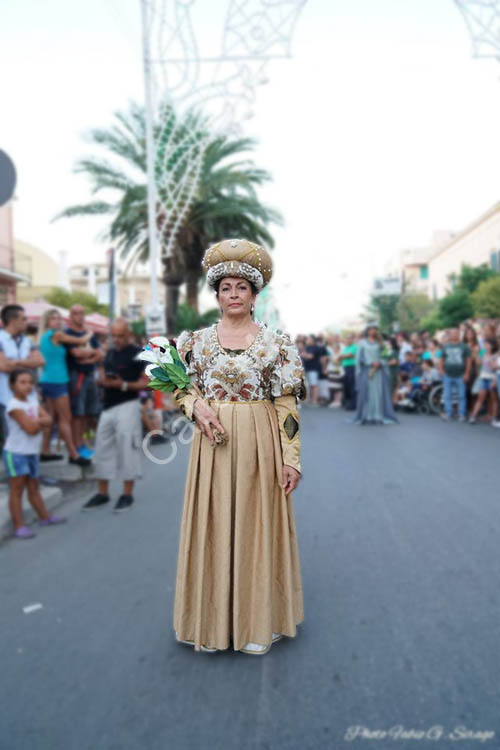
[185, 401]
[288, 385]
[288, 376]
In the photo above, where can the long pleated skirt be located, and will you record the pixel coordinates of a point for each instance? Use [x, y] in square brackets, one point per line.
[238, 570]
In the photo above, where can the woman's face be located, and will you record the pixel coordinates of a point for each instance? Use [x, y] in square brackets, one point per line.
[371, 332]
[54, 321]
[235, 297]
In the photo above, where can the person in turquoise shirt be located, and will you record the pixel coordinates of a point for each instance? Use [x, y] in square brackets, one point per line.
[54, 383]
[348, 358]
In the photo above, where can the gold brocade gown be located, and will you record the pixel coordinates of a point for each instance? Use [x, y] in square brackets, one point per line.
[238, 570]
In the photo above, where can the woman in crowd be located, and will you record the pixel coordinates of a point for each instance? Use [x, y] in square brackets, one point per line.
[392, 363]
[333, 373]
[487, 381]
[54, 382]
[372, 380]
[472, 386]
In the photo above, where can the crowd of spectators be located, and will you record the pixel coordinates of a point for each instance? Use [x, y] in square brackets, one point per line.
[465, 360]
[68, 385]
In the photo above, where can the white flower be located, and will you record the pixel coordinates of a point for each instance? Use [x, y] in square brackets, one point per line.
[148, 355]
[149, 370]
[156, 356]
[160, 341]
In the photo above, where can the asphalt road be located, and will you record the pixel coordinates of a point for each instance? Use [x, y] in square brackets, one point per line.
[398, 531]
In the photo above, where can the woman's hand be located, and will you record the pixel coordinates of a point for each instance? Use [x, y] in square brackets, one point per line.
[206, 418]
[291, 478]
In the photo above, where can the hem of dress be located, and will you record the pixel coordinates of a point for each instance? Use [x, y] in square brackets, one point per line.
[230, 647]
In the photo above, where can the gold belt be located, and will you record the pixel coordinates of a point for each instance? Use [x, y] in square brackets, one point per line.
[250, 401]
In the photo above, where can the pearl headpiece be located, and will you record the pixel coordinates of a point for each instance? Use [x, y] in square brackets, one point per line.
[238, 258]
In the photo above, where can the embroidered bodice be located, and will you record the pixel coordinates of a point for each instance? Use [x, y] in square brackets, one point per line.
[271, 366]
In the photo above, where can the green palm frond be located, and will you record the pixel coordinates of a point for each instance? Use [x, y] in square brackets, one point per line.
[95, 208]
[227, 202]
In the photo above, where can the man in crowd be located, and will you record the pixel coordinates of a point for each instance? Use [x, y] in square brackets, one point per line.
[455, 363]
[314, 356]
[404, 345]
[16, 350]
[348, 360]
[118, 445]
[84, 395]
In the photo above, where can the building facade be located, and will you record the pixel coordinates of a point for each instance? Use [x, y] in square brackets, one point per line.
[413, 265]
[478, 243]
[11, 272]
[133, 289]
[41, 270]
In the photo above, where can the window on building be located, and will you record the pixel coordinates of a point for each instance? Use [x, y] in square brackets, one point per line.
[85, 271]
[424, 272]
[494, 260]
[4, 295]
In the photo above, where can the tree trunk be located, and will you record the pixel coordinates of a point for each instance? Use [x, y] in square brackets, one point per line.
[192, 280]
[171, 305]
[173, 276]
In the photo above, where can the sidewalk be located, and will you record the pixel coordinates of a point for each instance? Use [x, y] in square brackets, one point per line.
[70, 481]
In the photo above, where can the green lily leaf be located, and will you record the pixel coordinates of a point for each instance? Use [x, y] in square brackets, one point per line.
[161, 374]
[161, 385]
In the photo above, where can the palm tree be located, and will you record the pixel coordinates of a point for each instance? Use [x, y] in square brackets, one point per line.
[225, 204]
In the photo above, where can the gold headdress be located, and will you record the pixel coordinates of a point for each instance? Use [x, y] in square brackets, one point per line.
[238, 258]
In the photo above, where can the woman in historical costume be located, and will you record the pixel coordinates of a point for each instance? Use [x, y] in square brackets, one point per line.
[238, 571]
[374, 398]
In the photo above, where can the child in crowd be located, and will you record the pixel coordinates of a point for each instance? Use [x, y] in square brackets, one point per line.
[410, 366]
[430, 374]
[26, 420]
[152, 421]
[402, 395]
[487, 380]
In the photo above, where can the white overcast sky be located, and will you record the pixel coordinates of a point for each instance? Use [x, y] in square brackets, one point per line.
[379, 130]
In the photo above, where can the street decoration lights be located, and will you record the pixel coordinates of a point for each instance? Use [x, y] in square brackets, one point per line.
[190, 97]
[482, 18]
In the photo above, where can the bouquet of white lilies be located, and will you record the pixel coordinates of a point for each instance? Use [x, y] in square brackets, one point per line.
[166, 370]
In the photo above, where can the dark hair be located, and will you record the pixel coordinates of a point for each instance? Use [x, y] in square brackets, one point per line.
[404, 377]
[428, 361]
[493, 343]
[469, 329]
[10, 312]
[13, 376]
[218, 283]
[394, 343]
